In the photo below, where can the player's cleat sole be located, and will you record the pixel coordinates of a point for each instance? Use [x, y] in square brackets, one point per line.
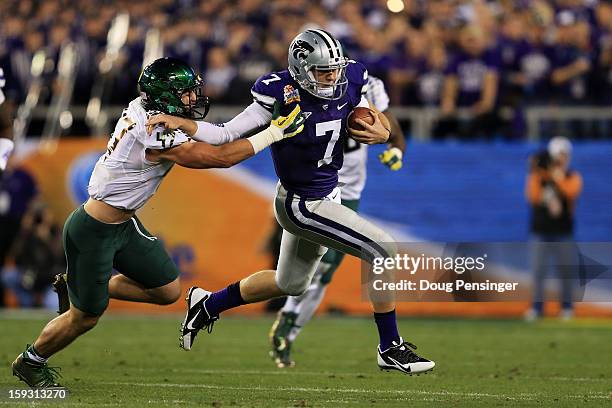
[196, 318]
[400, 357]
[60, 286]
[35, 375]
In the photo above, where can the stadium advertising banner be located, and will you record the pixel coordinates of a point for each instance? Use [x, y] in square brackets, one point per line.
[215, 229]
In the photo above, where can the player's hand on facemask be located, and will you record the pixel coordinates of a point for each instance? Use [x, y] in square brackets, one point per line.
[392, 158]
[289, 125]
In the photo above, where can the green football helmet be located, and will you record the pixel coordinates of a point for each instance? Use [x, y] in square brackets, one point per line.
[164, 81]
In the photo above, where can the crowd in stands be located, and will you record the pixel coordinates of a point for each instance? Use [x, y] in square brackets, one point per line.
[476, 54]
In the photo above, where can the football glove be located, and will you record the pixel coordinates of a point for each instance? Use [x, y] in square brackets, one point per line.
[391, 158]
[291, 124]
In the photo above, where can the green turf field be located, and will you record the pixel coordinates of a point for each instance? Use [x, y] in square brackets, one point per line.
[136, 362]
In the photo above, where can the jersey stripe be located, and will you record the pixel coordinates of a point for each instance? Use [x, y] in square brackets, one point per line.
[263, 99]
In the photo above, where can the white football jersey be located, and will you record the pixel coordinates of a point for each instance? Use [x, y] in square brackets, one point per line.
[123, 177]
[352, 175]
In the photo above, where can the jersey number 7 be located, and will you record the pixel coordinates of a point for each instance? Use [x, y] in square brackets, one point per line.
[322, 129]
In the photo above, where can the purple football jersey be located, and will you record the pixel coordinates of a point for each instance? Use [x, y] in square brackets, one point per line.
[308, 163]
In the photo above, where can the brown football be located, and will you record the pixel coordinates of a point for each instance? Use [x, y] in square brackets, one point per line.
[361, 113]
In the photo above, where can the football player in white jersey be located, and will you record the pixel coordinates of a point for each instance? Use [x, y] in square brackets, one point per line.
[105, 233]
[298, 310]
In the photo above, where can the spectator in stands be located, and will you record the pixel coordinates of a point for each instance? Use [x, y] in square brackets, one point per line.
[552, 189]
[430, 77]
[17, 191]
[219, 74]
[39, 256]
[534, 61]
[405, 67]
[471, 81]
[571, 58]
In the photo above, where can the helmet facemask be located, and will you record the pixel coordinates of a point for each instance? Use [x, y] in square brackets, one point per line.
[195, 109]
[326, 90]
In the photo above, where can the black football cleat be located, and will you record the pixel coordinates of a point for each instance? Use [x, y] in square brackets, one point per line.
[401, 357]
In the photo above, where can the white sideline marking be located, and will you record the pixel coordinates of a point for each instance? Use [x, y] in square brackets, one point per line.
[585, 379]
[350, 374]
[521, 396]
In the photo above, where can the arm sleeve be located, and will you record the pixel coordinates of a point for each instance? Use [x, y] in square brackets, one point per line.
[533, 188]
[253, 117]
[571, 186]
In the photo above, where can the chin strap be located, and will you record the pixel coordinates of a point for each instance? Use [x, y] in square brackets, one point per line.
[6, 147]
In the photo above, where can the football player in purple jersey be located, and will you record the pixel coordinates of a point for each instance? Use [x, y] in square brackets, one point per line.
[327, 86]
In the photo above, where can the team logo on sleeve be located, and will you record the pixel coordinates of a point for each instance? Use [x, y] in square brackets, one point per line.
[290, 94]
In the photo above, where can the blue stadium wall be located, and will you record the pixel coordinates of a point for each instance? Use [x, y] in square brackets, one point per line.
[452, 191]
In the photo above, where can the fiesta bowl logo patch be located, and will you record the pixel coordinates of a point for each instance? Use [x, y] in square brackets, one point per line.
[291, 94]
[79, 173]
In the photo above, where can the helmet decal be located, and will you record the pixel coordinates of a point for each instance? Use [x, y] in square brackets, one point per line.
[301, 49]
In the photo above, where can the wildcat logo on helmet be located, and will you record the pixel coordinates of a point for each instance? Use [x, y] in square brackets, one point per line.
[290, 94]
[301, 49]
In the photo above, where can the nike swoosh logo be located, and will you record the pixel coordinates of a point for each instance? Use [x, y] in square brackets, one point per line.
[342, 106]
[190, 323]
[405, 367]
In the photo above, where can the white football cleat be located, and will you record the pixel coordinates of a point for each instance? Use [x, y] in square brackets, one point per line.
[197, 317]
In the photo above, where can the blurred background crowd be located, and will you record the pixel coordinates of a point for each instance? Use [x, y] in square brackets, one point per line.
[481, 55]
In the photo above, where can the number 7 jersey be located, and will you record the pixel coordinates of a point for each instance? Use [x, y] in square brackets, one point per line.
[308, 164]
[123, 177]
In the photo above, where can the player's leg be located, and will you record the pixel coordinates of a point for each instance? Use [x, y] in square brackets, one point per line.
[31, 365]
[297, 265]
[123, 288]
[539, 265]
[566, 259]
[298, 310]
[299, 255]
[89, 247]
[147, 273]
[332, 225]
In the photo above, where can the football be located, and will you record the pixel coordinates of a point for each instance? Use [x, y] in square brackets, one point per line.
[360, 113]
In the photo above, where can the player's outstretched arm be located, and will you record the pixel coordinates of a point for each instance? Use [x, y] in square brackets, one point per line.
[199, 155]
[253, 118]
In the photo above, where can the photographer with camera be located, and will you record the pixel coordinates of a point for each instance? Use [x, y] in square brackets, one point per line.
[552, 190]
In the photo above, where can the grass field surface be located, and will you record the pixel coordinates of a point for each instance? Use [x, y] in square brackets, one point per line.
[133, 361]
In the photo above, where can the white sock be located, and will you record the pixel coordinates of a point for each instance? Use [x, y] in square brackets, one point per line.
[35, 357]
[291, 304]
[309, 303]
[293, 333]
